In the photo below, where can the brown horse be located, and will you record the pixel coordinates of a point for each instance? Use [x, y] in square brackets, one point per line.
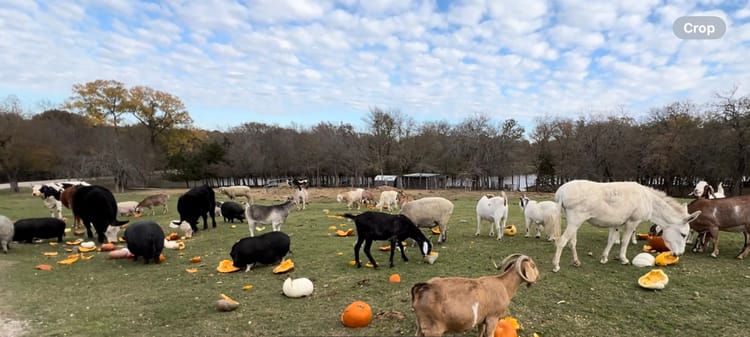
[726, 214]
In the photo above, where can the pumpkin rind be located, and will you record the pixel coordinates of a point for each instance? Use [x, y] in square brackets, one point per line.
[505, 328]
[358, 314]
[226, 266]
[666, 259]
[643, 260]
[657, 243]
[284, 267]
[435, 231]
[71, 259]
[348, 232]
[655, 279]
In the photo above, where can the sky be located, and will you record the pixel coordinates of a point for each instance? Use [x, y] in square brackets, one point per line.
[301, 62]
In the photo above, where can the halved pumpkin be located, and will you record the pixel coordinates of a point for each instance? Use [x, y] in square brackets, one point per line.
[191, 270]
[642, 236]
[665, 259]
[657, 243]
[86, 257]
[510, 230]
[173, 236]
[74, 242]
[226, 266]
[506, 327]
[436, 231]
[348, 232]
[332, 228]
[284, 267]
[71, 259]
[180, 245]
[50, 253]
[86, 250]
[655, 279]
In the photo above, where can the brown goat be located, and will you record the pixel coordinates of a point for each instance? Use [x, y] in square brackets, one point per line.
[159, 199]
[730, 214]
[66, 198]
[457, 304]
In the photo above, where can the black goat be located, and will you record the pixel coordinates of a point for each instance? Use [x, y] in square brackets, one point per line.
[381, 226]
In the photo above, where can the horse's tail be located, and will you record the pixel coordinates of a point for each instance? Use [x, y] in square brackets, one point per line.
[552, 225]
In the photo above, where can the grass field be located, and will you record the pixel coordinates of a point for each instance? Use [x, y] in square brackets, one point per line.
[105, 297]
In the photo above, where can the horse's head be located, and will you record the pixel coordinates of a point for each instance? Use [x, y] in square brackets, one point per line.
[675, 236]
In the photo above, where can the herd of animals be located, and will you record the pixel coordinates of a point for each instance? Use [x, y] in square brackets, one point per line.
[440, 304]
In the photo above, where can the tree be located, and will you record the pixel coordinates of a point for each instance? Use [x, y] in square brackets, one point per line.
[102, 101]
[158, 111]
[734, 114]
[195, 163]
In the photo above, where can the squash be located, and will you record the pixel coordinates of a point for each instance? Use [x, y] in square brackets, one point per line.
[358, 314]
[226, 303]
[657, 243]
[173, 236]
[299, 287]
[510, 230]
[394, 278]
[226, 266]
[284, 267]
[107, 247]
[348, 232]
[643, 260]
[74, 242]
[655, 279]
[83, 249]
[665, 259]
[43, 267]
[69, 260]
[191, 270]
[435, 231]
[506, 327]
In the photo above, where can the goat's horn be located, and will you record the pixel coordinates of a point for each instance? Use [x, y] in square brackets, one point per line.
[495, 263]
[510, 259]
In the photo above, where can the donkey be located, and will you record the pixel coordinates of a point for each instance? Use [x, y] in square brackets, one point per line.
[619, 204]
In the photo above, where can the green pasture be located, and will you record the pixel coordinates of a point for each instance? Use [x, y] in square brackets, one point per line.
[104, 297]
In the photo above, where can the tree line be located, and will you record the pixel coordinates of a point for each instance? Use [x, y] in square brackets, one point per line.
[139, 135]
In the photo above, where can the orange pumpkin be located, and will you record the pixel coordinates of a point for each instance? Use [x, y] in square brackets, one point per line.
[107, 247]
[395, 278]
[657, 243]
[506, 327]
[226, 266]
[357, 315]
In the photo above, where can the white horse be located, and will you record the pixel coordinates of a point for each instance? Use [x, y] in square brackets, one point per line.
[544, 214]
[616, 205]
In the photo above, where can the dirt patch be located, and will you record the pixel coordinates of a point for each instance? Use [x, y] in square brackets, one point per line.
[9, 326]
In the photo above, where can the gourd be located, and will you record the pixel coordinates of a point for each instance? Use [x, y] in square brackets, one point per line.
[348, 232]
[506, 327]
[226, 303]
[665, 259]
[226, 266]
[643, 260]
[358, 314]
[297, 287]
[395, 278]
[284, 267]
[655, 279]
[107, 247]
[510, 230]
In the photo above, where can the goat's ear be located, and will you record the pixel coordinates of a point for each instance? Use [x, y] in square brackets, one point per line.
[530, 271]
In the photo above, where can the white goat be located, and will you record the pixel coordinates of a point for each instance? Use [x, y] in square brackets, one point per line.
[300, 198]
[544, 214]
[351, 198]
[388, 199]
[495, 210]
[127, 208]
[237, 191]
[457, 304]
[430, 212]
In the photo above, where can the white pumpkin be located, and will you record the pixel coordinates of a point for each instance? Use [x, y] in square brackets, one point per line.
[298, 287]
[88, 244]
[643, 260]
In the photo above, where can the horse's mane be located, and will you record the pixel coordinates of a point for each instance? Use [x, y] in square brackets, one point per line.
[671, 202]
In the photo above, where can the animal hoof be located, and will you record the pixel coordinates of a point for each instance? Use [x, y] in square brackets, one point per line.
[577, 263]
[603, 260]
[555, 269]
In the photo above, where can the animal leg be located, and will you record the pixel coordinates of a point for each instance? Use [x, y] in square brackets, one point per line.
[498, 228]
[368, 244]
[612, 238]
[715, 240]
[567, 236]
[746, 248]
[277, 227]
[627, 234]
[251, 225]
[479, 225]
[356, 250]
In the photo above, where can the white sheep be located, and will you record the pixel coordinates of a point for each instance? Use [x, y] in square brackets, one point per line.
[388, 199]
[544, 214]
[351, 198]
[237, 191]
[430, 212]
[6, 233]
[127, 208]
[495, 210]
[457, 304]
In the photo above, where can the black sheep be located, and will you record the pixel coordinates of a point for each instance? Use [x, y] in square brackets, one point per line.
[231, 210]
[196, 203]
[26, 230]
[393, 228]
[96, 204]
[268, 248]
[145, 238]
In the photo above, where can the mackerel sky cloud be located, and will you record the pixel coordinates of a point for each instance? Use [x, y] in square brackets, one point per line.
[303, 61]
